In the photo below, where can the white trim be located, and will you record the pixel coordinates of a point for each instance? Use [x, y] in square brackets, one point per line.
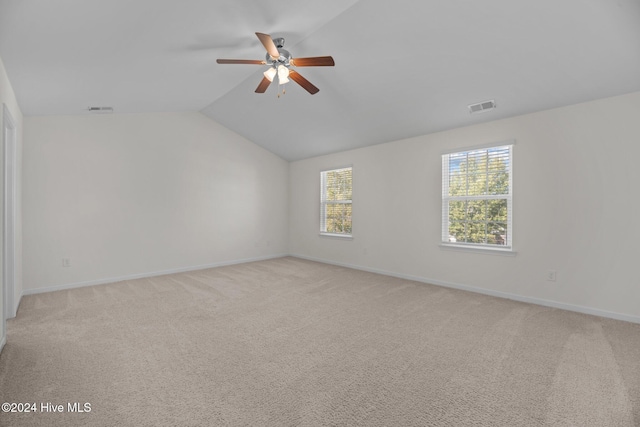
[499, 294]
[339, 202]
[447, 198]
[339, 236]
[324, 203]
[337, 168]
[478, 249]
[18, 302]
[3, 341]
[9, 142]
[145, 275]
[480, 146]
[480, 197]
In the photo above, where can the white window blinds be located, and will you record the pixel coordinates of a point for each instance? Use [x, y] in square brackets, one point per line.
[477, 197]
[335, 201]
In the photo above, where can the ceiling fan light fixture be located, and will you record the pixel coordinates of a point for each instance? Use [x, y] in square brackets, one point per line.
[283, 74]
[270, 73]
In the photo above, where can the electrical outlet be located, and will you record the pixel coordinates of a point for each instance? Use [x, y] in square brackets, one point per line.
[66, 262]
[551, 275]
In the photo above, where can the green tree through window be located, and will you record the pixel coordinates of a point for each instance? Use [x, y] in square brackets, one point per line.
[476, 197]
[335, 201]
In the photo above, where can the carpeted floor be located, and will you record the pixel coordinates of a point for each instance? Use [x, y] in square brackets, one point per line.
[289, 342]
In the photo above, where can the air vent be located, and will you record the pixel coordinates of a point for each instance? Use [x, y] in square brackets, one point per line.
[100, 110]
[481, 107]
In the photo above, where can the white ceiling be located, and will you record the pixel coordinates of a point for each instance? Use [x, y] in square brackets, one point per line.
[403, 67]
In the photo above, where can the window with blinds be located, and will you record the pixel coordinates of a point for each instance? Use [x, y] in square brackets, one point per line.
[476, 197]
[335, 201]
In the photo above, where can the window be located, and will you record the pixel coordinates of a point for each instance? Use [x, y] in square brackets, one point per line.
[335, 201]
[476, 197]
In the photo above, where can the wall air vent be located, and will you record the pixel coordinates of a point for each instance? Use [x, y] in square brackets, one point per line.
[482, 107]
[100, 110]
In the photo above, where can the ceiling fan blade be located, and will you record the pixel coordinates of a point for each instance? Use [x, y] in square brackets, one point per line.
[315, 61]
[240, 61]
[268, 44]
[306, 84]
[264, 84]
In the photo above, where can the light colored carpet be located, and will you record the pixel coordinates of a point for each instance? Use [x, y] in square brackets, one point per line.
[288, 342]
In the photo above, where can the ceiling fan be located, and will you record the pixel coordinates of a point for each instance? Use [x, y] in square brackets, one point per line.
[280, 62]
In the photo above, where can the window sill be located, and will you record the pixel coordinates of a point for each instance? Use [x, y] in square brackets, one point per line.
[476, 249]
[338, 236]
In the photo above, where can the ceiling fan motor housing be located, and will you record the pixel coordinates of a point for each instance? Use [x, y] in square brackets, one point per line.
[284, 59]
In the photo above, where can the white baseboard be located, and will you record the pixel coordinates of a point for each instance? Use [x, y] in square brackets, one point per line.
[17, 305]
[144, 275]
[499, 294]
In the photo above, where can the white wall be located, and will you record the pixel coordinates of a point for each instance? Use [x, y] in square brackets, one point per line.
[8, 98]
[576, 203]
[137, 194]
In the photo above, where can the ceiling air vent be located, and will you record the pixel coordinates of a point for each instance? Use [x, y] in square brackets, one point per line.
[481, 107]
[100, 110]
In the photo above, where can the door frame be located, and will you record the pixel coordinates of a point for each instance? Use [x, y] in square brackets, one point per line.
[9, 213]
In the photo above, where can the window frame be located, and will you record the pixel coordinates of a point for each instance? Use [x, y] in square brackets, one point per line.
[508, 247]
[324, 203]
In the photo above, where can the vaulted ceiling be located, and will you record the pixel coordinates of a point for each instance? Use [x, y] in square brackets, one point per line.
[403, 67]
